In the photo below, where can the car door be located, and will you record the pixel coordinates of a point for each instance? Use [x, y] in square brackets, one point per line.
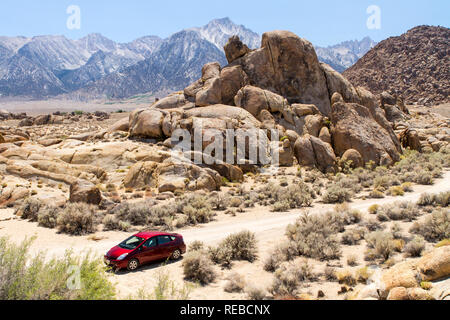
[165, 245]
[150, 251]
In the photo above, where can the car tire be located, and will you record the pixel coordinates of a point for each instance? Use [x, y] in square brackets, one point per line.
[133, 264]
[176, 255]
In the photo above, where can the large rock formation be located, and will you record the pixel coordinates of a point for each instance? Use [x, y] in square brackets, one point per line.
[280, 88]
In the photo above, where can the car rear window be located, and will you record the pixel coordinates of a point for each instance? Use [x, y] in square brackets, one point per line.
[164, 239]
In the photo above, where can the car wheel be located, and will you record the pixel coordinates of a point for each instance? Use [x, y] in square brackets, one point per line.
[133, 264]
[176, 255]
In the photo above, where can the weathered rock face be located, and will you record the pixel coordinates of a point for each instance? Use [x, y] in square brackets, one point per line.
[254, 100]
[235, 49]
[353, 127]
[402, 281]
[211, 91]
[146, 123]
[232, 79]
[86, 192]
[313, 152]
[353, 157]
[288, 65]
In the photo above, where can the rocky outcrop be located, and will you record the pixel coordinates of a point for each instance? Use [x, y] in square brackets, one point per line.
[354, 127]
[287, 65]
[313, 152]
[235, 49]
[416, 72]
[86, 192]
[433, 266]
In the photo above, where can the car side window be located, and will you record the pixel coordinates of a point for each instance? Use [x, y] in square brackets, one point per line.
[164, 239]
[150, 243]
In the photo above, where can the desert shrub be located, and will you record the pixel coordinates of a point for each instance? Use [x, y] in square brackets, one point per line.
[196, 246]
[242, 245]
[29, 209]
[435, 227]
[380, 245]
[315, 236]
[254, 293]
[290, 197]
[372, 225]
[164, 289]
[330, 274]
[219, 201]
[442, 199]
[396, 191]
[77, 219]
[335, 194]
[110, 223]
[221, 255]
[352, 260]
[289, 276]
[136, 213]
[352, 237]
[26, 277]
[406, 211]
[373, 209]
[235, 283]
[415, 247]
[345, 276]
[424, 178]
[363, 274]
[196, 207]
[47, 216]
[426, 199]
[407, 187]
[376, 194]
[285, 251]
[198, 267]
[281, 206]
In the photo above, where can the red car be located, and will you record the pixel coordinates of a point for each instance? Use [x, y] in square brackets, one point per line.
[145, 247]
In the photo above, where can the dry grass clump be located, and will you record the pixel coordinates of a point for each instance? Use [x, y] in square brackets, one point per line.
[199, 268]
[315, 236]
[219, 201]
[345, 276]
[236, 283]
[415, 247]
[435, 227]
[77, 219]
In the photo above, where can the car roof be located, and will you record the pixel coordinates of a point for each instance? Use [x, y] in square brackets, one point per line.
[150, 234]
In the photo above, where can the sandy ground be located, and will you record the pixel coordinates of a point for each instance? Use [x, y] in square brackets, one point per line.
[269, 229]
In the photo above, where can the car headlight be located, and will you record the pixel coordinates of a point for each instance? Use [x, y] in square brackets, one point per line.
[122, 257]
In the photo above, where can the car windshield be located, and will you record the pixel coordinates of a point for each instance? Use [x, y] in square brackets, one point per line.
[131, 243]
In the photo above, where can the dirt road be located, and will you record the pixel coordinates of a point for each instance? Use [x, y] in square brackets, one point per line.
[269, 228]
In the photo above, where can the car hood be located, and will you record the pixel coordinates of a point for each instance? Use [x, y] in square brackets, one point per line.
[116, 252]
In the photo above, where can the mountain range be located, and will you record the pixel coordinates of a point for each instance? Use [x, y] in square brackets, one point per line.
[96, 67]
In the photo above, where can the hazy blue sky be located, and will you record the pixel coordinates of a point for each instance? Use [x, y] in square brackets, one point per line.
[323, 22]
